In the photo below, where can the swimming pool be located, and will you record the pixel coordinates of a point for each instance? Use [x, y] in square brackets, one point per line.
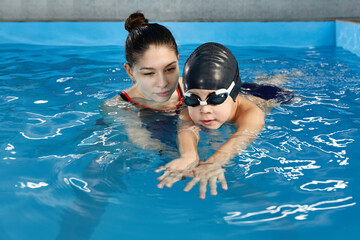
[65, 176]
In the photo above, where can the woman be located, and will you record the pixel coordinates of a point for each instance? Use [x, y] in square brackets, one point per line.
[154, 100]
[152, 64]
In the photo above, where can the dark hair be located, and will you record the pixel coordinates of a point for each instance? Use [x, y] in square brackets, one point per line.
[142, 35]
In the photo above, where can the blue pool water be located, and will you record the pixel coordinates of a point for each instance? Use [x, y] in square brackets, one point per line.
[65, 176]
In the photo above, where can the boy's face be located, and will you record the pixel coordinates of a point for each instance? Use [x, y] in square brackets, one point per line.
[211, 116]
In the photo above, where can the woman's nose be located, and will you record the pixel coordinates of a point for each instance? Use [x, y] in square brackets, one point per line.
[162, 81]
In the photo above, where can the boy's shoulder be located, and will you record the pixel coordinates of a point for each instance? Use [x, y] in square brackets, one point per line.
[247, 111]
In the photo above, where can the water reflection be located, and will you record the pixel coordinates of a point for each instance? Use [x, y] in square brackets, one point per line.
[93, 190]
[107, 157]
[32, 185]
[290, 169]
[99, 137]
[290, 156]
[64, 170]
[51, 126]
[314, 120]
[274, 213]
[330, 139]
[78, 183]
[329, 185]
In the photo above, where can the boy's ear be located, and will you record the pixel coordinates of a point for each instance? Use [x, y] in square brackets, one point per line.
[129, 72]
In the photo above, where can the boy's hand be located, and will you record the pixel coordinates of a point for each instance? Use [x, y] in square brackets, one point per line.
[207, 173]
[175, 171]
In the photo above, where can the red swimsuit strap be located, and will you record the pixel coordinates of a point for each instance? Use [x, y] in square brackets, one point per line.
[167, 109]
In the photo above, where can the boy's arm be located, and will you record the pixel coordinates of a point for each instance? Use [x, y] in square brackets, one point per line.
[250, 123]
[188, 137]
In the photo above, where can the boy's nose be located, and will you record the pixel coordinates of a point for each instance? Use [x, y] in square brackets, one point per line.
[205, 108]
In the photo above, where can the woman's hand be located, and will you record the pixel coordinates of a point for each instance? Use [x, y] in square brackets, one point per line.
[175, 171]
[207, 173]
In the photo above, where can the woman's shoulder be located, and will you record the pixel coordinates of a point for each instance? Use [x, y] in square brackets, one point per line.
[111, 102]
[130, 93]
[115, 104]
[120, 97]
[123, 96]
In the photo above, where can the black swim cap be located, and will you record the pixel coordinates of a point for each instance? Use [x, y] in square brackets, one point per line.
[212, 66]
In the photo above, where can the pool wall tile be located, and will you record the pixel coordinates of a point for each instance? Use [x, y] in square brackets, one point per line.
[348, 36]
[63, 33]
[279, 34]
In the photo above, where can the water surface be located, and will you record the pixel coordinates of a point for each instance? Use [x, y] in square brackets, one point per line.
[65, 176]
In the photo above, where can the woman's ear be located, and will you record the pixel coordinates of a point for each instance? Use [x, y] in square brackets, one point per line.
[129, 72]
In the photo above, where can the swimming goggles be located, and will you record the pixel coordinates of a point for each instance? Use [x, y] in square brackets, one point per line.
[214, 98]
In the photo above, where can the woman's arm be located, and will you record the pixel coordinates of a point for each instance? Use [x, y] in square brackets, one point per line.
[115, 112]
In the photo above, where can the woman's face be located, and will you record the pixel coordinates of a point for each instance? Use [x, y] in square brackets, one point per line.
[156, 73]
[211, 116]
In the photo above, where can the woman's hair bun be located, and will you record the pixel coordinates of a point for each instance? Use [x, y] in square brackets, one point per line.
[135, 20]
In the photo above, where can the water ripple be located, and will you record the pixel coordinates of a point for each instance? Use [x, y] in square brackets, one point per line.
[315, 119]
[51, 126]
[329, 185]
[78, 183]
[330, 139]
[274, 213]
[32, 185]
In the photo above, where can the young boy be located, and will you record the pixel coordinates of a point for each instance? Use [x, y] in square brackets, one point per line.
[212, 85]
